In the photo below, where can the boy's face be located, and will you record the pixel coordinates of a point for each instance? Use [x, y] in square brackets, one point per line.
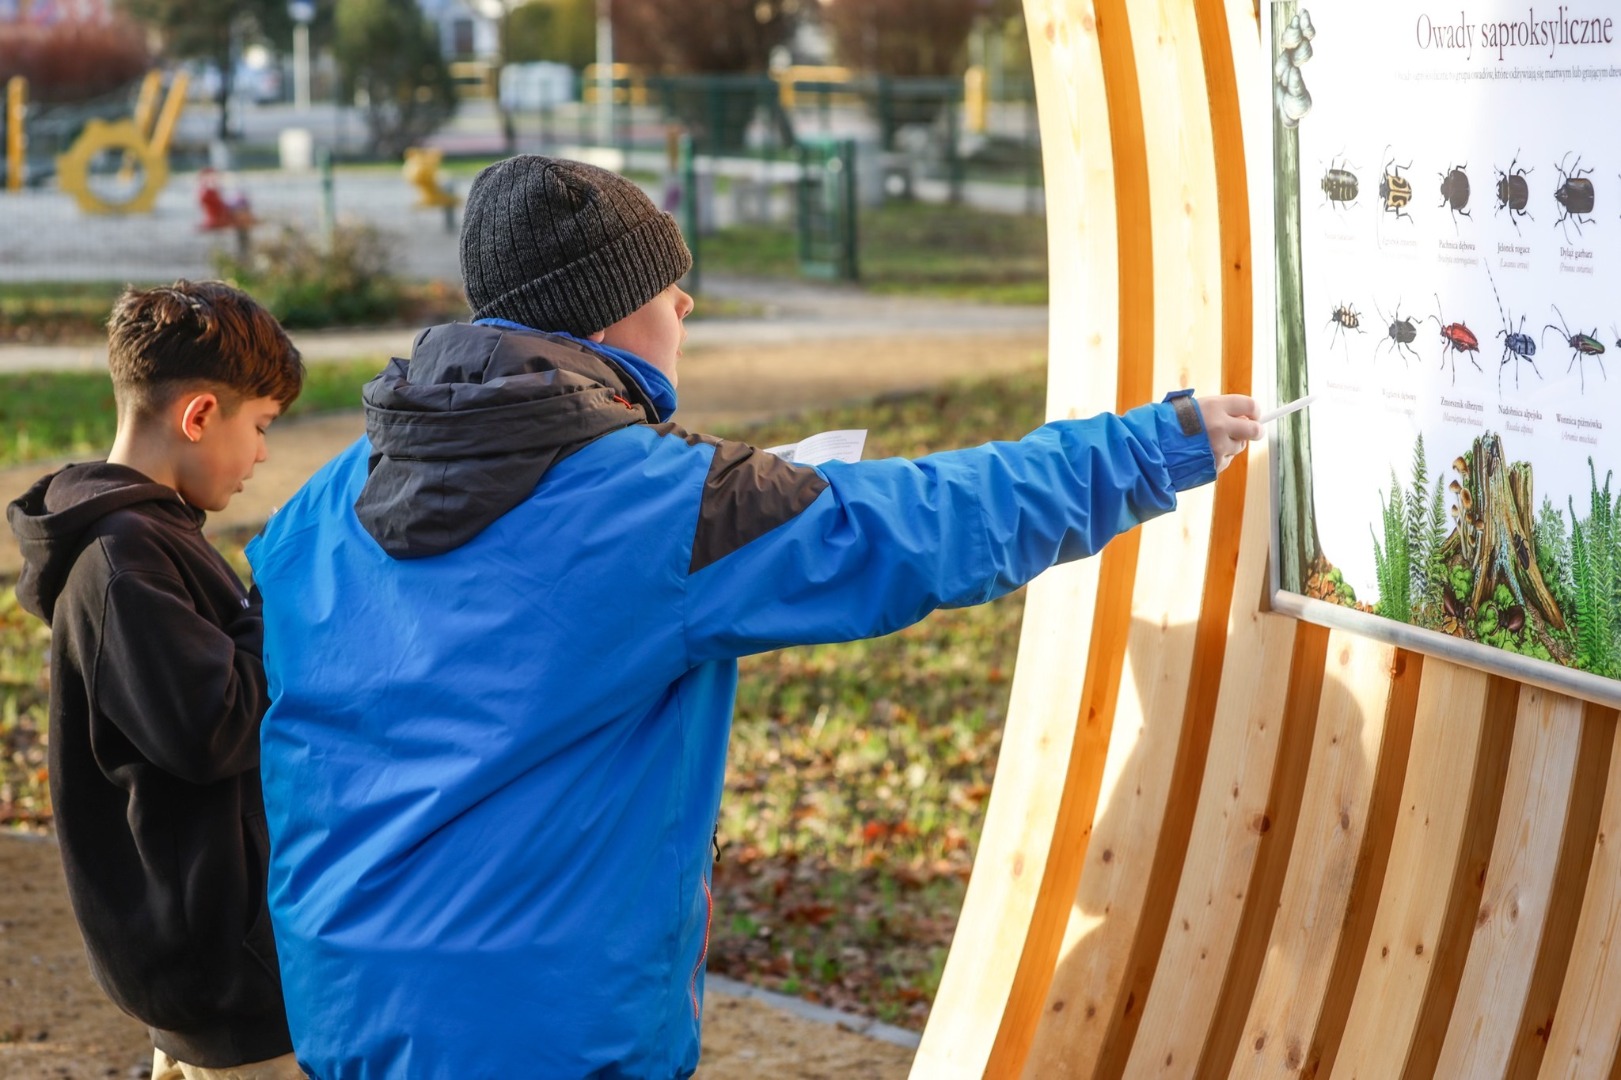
[223, 448]
[653, 331]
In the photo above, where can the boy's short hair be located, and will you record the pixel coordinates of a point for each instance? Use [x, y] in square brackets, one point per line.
[171, 339]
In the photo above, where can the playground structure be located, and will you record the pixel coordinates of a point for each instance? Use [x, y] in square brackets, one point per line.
[1224, 842]
[141, 142]
[421, 171]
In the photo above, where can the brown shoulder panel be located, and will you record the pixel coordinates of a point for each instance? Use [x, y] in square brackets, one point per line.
[747, 493]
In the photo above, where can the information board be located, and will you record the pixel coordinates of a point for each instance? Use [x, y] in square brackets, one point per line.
[1447, 236]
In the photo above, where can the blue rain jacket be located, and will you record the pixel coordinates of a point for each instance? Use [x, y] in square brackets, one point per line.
[493, 762]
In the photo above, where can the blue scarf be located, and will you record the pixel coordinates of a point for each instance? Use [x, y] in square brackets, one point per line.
[652, 381]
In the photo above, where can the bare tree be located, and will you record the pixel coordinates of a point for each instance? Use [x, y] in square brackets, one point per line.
[903, 37]
[711, 38]
[212, 30]
[386, 49]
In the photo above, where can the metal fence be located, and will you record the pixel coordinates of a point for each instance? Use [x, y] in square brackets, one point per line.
[745, 161]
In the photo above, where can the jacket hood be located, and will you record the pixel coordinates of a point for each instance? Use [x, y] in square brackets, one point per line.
[51, 520]
[464, 430]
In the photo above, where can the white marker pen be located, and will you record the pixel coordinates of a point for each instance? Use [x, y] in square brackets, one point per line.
[1284, 410]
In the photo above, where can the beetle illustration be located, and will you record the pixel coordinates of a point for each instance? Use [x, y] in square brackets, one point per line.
[1399, 336]
[1344, 318]
[1395, 192]
[1456, 338]
[1581, 347]
[1514, 192]
[1339, 184]
[1574, 195]
[1455, 192]
[1517, 344]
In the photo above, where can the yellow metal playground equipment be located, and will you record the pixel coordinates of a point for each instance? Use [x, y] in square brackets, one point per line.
[142, 140]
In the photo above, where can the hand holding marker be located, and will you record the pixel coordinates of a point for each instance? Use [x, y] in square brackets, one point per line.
[1229, 420]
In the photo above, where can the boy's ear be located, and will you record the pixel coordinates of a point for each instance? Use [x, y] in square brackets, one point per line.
[598, 336]
[200, 410]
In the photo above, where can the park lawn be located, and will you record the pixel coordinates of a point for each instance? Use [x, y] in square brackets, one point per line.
[75, 312]
[56, 414]
[909, 249]
[858, 772]
[47, 312]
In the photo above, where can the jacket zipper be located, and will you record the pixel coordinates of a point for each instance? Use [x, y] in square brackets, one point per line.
[709, 917]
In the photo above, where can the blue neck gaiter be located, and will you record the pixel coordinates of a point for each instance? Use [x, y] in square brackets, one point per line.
[652, 381]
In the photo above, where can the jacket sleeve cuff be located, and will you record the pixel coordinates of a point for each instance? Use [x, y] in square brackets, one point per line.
[1183, 441]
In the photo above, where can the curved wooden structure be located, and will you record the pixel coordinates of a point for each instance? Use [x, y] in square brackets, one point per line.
[1223, 842]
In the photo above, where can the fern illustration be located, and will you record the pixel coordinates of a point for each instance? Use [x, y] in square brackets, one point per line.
[1594, 565]
[1392, 561]
[1435, 573]
[1418, 538]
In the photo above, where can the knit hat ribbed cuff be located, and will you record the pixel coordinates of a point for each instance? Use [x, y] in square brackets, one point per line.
[601, 287]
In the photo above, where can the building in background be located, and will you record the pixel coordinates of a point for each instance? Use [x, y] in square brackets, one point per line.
[53, 11]
[465, 32]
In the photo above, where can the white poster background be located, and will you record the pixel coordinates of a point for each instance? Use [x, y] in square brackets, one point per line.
[1386, 92]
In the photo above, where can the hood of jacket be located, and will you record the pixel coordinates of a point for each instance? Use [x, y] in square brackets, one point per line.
[52, 519]
[463, 431]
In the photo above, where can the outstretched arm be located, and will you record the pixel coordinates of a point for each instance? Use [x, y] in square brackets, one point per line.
[876, 545]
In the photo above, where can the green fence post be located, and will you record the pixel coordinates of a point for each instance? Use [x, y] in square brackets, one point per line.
[954, 148]
[851, 240]
[329, 200]
[689, 210]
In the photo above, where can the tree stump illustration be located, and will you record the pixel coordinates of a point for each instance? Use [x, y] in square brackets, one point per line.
[1495, 537]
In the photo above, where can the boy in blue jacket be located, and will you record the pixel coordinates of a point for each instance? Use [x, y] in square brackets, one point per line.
[501, 633]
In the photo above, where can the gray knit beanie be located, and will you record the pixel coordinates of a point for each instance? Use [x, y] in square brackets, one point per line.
[561, 245]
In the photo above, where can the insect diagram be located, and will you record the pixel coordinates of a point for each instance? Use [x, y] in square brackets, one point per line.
[1400, 334]
[1395, 192]
[1339, 185]
[1581, 347]
[1455, 192]
[1513, 192]
[1574, 195]
[1517, 344]
[1344, 318]
[1456, 338]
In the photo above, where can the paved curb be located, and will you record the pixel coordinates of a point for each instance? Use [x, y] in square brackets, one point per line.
[819, 1014]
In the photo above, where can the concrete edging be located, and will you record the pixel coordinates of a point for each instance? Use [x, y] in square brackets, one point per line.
[819, 1014]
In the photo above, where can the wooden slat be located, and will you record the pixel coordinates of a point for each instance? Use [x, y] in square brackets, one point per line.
[1236, 816]
[1053, 748]
[1139, 826]
[1229, 599]
[1565, 893]
[1368, 699]
[1587, 1024]
[1247, 950]
[1459, 752]
[1491, 1003]
[1457, 924]
[1240, 799]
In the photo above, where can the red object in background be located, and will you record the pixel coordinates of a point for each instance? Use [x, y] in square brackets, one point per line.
[218, 211]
